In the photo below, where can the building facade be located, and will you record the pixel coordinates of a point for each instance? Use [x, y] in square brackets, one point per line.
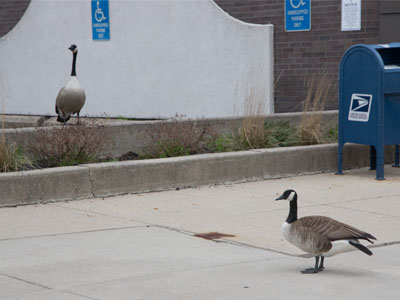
[298, 56]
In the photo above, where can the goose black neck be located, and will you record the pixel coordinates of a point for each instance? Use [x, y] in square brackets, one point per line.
[292, 211]
[73, 72]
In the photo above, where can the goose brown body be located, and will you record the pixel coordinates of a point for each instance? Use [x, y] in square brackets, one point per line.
[319, 235]
[315, 234]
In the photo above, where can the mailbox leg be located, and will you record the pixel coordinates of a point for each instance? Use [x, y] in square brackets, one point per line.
[396, 156]
[372, 158]
[380, 160]
[340, 159]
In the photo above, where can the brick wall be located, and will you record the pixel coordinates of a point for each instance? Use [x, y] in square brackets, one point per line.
[301, 55]
[11, 12]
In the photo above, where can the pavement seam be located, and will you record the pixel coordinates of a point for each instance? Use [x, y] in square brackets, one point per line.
[191, 233]
[27, 281]
[46, 287]
[240, 244]
[77, 294]
[179, 230]
[91, 181]
[99, 213]
[146, 224]
[71, 233]
[360, 210]
[354, 200]
[384, 244]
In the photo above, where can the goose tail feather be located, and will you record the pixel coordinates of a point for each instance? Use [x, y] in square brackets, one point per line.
[369, 237]
[361, 247]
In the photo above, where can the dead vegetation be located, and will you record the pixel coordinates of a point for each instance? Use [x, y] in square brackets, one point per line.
[178, 137]
[252, 133]
[11, 158]
[311, 130]
[69, 145]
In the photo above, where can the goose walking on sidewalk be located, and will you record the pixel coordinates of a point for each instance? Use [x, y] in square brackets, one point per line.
[320, 236]
[71, 97]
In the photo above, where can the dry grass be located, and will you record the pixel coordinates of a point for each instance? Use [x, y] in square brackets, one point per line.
[252, 133]
[69, 145]
[310, 129]
[178, 137]
[9, 154]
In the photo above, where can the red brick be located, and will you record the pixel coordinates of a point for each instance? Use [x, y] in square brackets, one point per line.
[300, 55]
[11, 12]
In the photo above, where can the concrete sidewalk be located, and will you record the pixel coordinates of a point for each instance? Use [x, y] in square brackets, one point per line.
[142, 246]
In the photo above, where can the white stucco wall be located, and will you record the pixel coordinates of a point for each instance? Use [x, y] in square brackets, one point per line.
[165, 57]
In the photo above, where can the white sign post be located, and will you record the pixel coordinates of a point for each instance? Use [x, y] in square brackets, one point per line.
[351, 15]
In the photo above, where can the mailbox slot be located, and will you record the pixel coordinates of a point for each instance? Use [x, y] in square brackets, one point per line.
[390, 57]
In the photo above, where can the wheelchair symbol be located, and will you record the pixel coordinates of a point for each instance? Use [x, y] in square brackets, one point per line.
[301, 2]
[99, 15]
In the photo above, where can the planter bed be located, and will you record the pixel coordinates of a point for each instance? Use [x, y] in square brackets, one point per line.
[115, 178]
[126, 135]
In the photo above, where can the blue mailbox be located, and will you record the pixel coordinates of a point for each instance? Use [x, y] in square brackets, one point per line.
[369, 101]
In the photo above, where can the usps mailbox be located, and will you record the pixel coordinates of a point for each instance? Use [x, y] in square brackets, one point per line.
[369, 101]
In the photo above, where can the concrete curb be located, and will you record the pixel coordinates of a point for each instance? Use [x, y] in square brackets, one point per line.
[40, 186]
[108, 179]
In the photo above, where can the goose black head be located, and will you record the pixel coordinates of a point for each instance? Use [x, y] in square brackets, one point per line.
[73, 48]
[288, 195]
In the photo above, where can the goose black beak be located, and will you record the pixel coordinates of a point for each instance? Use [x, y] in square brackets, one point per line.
[280, 198]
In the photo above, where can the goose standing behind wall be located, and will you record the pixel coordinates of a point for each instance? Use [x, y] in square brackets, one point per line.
[71, 97]
[320, 236]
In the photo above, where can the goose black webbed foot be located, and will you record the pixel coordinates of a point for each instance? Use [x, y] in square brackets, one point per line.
[309, 271]
[316, 268]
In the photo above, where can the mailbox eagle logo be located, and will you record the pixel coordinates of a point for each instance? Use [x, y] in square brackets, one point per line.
[360, 107]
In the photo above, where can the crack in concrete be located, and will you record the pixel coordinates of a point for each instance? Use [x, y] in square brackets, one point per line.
[90, 177]
[71, 233]
[46, 287]
[361, 210]
[354, 200]
[79, 295]
[240, 244]
[27, 281]
[191, 233]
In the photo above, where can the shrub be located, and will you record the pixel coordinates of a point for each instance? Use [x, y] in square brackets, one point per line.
[281, 134]
[69, 145]
[178, 137]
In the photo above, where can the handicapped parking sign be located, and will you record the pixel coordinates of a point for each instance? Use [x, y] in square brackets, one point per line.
[100, 20]
[297, 15]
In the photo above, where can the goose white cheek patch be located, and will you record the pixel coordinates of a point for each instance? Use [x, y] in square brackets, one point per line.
[291, 196]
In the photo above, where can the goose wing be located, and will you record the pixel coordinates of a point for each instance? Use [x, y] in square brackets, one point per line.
[308, 239]
[332, 229]
[59, 97]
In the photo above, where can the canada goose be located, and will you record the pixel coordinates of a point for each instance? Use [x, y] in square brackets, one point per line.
[320, 236]
[71, 97]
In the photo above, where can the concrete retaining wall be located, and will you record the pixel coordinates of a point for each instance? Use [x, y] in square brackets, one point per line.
[107, 179]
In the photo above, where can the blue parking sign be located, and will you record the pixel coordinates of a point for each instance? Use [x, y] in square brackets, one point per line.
[100, 20]
[297, 15]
